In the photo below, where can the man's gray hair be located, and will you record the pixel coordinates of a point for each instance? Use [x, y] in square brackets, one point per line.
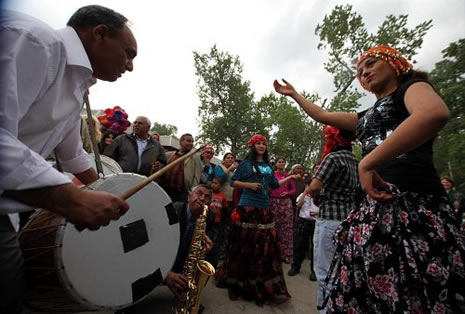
[147, 120]
[203, 186]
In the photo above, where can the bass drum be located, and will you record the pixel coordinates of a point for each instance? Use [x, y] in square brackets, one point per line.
[108, 269]
[109, 165]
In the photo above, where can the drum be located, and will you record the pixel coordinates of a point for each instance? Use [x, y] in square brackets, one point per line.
[108, 269]
[109, 166]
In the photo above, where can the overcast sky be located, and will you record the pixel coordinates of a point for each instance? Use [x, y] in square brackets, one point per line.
[273, 39]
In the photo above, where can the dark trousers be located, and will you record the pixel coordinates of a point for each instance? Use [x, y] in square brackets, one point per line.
[303, 242]
[12, 282]
[223, 233]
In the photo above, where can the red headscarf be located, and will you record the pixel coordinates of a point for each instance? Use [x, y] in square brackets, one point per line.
[256, 138]
[388, 54]
[333, 140]
[209, 149]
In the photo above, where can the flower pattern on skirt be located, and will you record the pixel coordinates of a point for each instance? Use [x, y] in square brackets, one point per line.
[283, 212]
[400, 256]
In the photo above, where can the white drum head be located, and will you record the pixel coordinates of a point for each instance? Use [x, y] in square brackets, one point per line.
[118, 265]
[109, 165]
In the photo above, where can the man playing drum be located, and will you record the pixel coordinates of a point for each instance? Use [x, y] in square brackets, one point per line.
[44, 75]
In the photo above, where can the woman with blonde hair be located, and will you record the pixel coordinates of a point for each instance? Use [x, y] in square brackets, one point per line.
[85, 132]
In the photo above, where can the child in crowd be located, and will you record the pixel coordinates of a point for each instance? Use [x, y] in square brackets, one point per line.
[218, 203]
[218, 207]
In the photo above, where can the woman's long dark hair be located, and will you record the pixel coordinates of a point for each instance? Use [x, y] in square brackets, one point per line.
[348, 135]
[276, 162]
[252, 157]
[413, 74]
[101, 145]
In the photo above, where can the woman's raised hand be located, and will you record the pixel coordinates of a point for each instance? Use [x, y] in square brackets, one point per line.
[233, 166]
[287, 89]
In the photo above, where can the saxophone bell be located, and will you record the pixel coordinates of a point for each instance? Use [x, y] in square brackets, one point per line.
[205, 270]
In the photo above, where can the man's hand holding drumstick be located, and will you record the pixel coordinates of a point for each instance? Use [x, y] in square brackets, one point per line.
[84, 208]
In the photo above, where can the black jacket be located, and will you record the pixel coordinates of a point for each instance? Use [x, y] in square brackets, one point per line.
[124, 151]
[211, 231]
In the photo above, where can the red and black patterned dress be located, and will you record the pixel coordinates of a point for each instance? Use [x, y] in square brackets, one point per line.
[252, 269]
[405, 255]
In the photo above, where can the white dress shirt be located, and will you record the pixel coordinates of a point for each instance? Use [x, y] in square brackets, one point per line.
[44, 74]
[307, 207]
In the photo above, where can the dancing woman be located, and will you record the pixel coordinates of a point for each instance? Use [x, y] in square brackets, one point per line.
[253, 268]
[403, 250]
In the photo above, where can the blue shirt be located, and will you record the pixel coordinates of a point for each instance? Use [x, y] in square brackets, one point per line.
[141, 145]
[247, 173]
[219, 172]
[206, 175]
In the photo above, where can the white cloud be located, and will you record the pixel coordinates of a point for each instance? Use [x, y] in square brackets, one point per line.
[273, 39]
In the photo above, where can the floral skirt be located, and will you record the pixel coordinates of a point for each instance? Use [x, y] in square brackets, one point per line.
[253, 269]
[400, 256]
[283, 213]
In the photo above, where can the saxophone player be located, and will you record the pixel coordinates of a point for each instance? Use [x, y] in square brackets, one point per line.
[188, 214]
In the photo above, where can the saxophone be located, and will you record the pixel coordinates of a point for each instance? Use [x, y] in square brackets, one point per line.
[196, 269]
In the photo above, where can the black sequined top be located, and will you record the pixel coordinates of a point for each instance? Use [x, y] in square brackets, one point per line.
[413, 171]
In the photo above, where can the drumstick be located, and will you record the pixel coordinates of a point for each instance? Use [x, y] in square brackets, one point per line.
[93, 137]
[131, 191]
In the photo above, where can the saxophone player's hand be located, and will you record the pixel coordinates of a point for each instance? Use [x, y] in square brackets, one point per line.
[208, 244]
[177, 283]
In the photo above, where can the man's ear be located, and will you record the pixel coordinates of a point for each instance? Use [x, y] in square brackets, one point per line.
[100, 32]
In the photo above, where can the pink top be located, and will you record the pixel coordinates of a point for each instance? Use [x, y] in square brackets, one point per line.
[289, 186]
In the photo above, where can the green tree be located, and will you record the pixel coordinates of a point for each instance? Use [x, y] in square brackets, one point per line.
[293, 134]
[164, 128]
[228, 114]
[344, 35]
[448, 77]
